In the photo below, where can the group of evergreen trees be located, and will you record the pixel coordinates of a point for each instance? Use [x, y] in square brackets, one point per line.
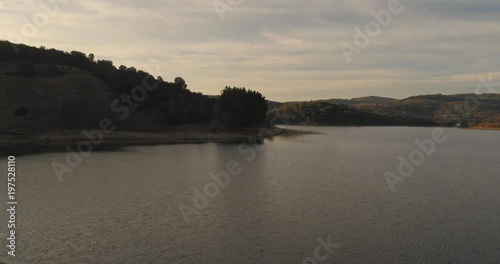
[242, 107]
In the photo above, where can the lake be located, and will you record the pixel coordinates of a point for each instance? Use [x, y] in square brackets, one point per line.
[346, 195]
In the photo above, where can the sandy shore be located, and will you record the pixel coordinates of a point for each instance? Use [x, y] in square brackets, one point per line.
[41, 140]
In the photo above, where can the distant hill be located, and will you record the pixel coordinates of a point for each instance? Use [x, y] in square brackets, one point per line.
[273, 104]
[348, 102]
[361, 100]
[463, 109]
[322, 113]
[446, 110]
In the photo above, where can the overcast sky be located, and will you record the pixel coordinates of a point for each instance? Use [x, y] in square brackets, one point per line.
[286, 49]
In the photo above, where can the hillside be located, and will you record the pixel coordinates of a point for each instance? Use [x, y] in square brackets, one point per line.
[46, 99]
[447, 110]
[360, 100]
[273, 104]
[322, 113]
[52, 88]
[468, 110]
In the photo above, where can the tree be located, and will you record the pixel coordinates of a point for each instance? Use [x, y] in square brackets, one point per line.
[79, 56]
[180, 81]
[239, 106]
[105, 63]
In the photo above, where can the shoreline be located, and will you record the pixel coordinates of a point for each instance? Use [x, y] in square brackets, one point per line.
[41, 140]
[37, 140]
[482, 128]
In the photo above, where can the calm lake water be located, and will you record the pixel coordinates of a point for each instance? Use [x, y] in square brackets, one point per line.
[127, 206]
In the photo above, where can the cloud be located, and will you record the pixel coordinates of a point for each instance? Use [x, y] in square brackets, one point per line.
[287, 49]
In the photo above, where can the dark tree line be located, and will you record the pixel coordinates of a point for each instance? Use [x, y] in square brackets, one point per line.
[169, 103]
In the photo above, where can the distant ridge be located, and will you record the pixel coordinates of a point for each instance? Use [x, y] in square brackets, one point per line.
[466, 110]
[360, 100]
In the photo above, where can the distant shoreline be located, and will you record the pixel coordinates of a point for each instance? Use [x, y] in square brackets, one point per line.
[39, 140]
[483, 128]
[379, 125]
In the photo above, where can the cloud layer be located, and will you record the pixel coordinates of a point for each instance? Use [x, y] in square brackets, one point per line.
[287, 49]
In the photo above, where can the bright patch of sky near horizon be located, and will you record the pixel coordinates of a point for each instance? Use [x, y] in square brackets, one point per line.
[286, 49]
